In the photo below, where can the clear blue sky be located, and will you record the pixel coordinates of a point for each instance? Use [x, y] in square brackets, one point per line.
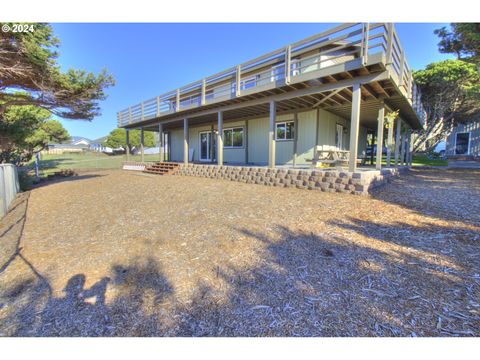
[149, 59]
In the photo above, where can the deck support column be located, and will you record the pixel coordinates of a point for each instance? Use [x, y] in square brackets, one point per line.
[185, 141]
[271, 135]
[409, 144]
[380, 119]
[142, 152]
[295, 137]
[389, 144]
[220, 139]
[127, 150]
[161, 150]
[397, 141]
[354, 125]
[404, 146]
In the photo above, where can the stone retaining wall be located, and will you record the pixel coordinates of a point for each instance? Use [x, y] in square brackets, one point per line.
[358, 183]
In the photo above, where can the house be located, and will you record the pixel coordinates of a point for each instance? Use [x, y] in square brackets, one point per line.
[97, 145]
[79, 140]
[464, 140]
[324, 94]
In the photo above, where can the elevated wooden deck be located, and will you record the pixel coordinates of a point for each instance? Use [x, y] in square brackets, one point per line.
[318, 71]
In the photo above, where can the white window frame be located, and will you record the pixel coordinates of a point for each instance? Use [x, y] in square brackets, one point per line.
[285, 123]
[231, 129]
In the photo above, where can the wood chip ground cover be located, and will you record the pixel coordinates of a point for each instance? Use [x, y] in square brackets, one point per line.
[114, 253]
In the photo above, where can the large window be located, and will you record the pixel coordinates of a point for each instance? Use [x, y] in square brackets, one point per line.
[233, 138]
[285, 130]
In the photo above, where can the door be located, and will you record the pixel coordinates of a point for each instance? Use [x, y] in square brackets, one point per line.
[166, 146]
[339, 137]
[462, 143]
[207, 149]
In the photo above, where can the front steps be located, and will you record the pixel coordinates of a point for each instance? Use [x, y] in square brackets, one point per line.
[162, 168]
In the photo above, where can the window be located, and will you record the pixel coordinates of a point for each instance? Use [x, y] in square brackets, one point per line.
[285, 130]
[278, 72]
[249, 82]
[233, 138]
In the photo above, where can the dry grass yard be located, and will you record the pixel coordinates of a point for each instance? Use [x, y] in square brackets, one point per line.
[117, 253]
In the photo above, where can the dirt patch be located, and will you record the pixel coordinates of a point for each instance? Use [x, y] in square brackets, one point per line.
[127, 254]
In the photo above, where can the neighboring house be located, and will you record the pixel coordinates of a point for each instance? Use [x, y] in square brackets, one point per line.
[64, 148]
[324, 92]
[464, 140]
[76, 144]
[78, 140]
[97, 145]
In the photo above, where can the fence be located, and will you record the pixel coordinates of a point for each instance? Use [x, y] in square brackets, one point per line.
[50, 164]
[9, 186]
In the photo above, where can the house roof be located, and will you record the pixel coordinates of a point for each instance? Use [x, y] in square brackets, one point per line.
[76, 139]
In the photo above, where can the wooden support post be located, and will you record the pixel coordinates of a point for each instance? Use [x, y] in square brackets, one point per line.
[161, 150]
[130, 115]
[204, 91]
[288, 55]
[271, 135]
[185, 141]
[245, 136]
[409, 85]
[397, 141]
[295, 137]
[212, 136]
[389, 43]
[158, 106]
[390, 144]
[220, 139]
[142, 116]
[127, 150]
[238, 79]
[404, 146]
[177, 101]
[402, 69]
[142, 152]
[380, 119]
[365, 43]
[354, 125]
[372, 145]
[409, 142]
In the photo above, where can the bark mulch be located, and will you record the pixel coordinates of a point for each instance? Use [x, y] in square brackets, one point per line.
[114, 253]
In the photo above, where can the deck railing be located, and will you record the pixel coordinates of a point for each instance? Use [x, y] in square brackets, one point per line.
[284, 66]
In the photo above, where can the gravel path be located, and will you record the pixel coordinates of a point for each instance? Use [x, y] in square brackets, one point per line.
[128, 254]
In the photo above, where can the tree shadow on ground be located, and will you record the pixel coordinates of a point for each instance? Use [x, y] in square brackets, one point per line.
[444, 194]
[310, 285]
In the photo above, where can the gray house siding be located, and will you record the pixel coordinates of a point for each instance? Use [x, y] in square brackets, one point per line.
[313, 129]
[457, 138]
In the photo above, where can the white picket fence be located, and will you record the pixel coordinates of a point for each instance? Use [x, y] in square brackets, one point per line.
[9, 186]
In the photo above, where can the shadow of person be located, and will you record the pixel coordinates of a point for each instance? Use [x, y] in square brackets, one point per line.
[71, 315]
[97, 291]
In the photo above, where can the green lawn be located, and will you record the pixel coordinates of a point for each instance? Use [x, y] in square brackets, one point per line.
[420, 160]
[89, 160]
[423, 160]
